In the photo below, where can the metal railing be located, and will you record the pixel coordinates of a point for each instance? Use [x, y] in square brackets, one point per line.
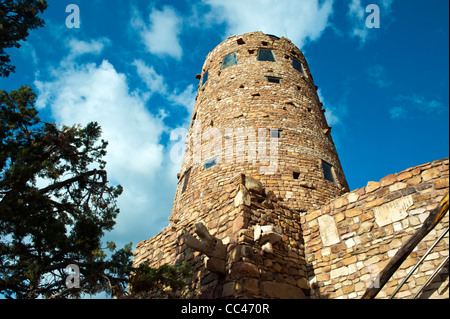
[405, 250]
[417, 266]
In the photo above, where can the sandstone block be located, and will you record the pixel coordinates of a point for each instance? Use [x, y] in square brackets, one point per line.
[441, 183]
[281, 291]
[371, 186]
[243, 269]
[388, 180]
[430, 174]
[253, 185]
[328, 230]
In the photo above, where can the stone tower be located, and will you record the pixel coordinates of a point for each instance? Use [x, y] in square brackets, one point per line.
[262, 188]
[257, 112]
[258, 154]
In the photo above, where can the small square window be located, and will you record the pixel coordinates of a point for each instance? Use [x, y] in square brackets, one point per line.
[186, 181]
[272, 79]
[275, 133]
[205, 78]
[266, 55]
[296, 64]
[328, 172]
[273, 37]
[211, 163]
[229, 60]
[296, 175]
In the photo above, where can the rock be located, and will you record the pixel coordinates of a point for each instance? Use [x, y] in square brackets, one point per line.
[441, 183]
[352, 197]
[388, 180]
[228, 289]
[242, 197]
[371, 186]
[253, 185]
[281, 291]
[430, 174]
[243, 269]
[248, 285]
[216, 265]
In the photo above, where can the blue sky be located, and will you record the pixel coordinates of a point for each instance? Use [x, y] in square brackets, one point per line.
[131, 66]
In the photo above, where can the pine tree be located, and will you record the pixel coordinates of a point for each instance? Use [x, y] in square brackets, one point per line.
[55, 205]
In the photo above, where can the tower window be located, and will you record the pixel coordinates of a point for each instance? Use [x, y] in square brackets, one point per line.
[229, 60]
[328, 172]
[266, 55]
[186, 180]
[205, 78]
[296, 64]
[296, 175]
[211, 163]
[272, 79]
[275, 133]
[273, 37]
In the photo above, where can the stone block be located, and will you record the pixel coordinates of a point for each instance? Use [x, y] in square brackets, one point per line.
[393, 211]
[388, 180]
[281, 291]
[430, 174]
[248, 286]
[441, 183]
[328, 230]
[243, 269]
[371, 186]
[228, 289]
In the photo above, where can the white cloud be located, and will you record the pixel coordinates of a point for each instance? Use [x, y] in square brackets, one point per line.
[161, 36]
[300, 21]
[79, 47]
[154, 81]
[415, 104]
[136, 159]
[333, 114]
[185, 98]
[377, 75]
[356, 13]
[156, 84]
[397, 112]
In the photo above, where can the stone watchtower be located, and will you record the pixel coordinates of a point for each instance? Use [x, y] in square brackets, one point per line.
[259, 153]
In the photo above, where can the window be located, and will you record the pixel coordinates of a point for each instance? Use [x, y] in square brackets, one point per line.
[229, 60]
[266, 55]
[205, 78]
[328, 172]
[296, 64]
[272, 79]
[186, 180]
[275, 133]
[211, 163]
[273, 37]
[296, 175]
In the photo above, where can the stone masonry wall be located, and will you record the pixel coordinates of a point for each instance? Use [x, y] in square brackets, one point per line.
[240, 207]
[351, 239]
[234, 104]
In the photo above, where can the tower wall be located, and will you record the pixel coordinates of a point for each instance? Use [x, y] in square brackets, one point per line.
[237, 106]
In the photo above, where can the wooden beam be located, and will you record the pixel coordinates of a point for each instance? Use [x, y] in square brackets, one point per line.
[432, 220]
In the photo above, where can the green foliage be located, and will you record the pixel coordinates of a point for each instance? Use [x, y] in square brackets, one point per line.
[162, 281]
[17, 17]
[55, 206]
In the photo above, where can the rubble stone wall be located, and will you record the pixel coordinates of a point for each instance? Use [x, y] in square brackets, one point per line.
[235, 109]
[352, 238]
